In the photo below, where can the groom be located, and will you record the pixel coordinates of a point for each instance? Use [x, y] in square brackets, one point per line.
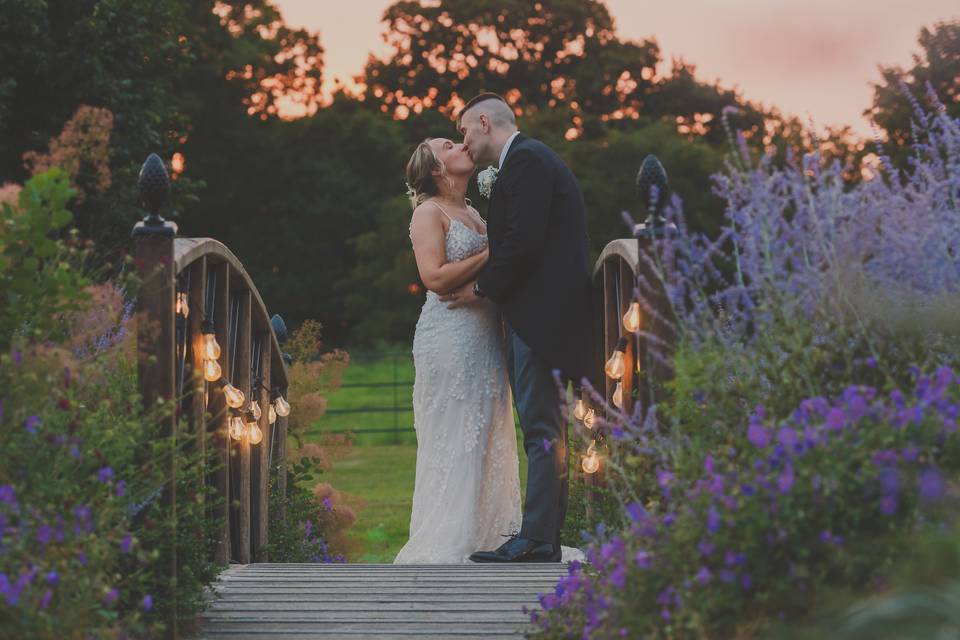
[539, 275]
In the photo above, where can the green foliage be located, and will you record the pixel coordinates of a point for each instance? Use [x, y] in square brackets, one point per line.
[299, 525]
[39, 278]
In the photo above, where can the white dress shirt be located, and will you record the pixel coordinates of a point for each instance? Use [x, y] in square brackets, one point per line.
[506, 147]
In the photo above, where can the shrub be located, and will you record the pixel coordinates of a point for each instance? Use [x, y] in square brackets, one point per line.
[82, 528]
[785, 459]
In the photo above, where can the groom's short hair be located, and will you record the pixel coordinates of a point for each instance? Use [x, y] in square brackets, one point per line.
[502, 115]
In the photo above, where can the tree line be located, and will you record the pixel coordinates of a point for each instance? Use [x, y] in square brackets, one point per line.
[315, 206]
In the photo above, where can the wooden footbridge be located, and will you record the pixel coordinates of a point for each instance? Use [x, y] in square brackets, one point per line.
[196, 295]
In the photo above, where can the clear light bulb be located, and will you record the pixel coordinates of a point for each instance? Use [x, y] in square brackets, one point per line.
[211, 370]
[589, 419]
[254, 432]
[271, 413]
[615, 366]
[233, 395]
[580, 411]
[631, 319]
[282, 406]
[255, 407]
[236, 427]
[618, 396]
[591, 461]
[183, 306]
[211, 350]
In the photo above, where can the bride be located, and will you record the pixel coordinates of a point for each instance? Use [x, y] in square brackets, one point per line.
[467, 489]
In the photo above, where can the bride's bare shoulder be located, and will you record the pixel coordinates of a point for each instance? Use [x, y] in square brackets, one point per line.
[427, 218]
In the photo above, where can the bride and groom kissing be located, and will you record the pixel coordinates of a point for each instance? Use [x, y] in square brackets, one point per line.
[508, 306]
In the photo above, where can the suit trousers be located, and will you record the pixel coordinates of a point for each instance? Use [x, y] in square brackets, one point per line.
[537, 396]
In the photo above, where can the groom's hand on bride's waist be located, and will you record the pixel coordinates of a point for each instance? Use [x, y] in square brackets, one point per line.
[462, 297]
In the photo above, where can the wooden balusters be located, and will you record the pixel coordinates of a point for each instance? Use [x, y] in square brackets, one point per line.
[219, 415]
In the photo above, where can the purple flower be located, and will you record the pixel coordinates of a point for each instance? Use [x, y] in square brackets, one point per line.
[8, 495]
[708, 464]
[704, 576]
[111, 596]
[43, 534]
[308, 527]
[713, 520]
[785, 481]
[547, 444]
[120, 489]
[888, 505]
[75, 452]
[618, 577]
[787, 437]
[706, 547]
[758, 436]
[147, 602]
[642, 559]
[30, 424]
[871, 362]
[835, 419]
[727, 576]
[636, 512]
[53, 577]
[106, 475]
[932, 486]
[746, 581]
[17, 357]
[126, 543]
[45, 600]
[327, 503]
[889, 481]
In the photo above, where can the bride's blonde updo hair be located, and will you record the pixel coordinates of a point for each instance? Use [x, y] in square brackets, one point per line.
[421, 185]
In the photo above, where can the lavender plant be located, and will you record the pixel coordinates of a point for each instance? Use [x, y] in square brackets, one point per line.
[785, 458]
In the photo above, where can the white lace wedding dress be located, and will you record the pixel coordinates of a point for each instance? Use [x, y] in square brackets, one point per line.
[467, 490]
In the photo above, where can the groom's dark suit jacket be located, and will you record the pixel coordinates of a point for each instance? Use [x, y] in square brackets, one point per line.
[539, 268]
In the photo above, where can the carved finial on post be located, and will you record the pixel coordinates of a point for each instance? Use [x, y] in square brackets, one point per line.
[154, 183]
[653, 189]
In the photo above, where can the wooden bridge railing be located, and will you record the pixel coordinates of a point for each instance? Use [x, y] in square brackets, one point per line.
[633, 331]
[205, 341]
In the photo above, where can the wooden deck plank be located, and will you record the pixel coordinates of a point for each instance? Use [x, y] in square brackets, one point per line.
[299, 601]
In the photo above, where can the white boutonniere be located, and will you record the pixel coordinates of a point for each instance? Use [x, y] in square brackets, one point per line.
[485, 180]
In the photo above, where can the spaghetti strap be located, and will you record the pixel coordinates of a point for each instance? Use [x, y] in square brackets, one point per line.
[437, 204]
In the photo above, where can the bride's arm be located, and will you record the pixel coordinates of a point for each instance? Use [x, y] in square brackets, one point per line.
[429, 248]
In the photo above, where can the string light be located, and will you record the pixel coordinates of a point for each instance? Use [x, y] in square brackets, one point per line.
[211, 349]
[591, 461]
[282, 406]
[589, 418]
[615, 366]
[236, 427]
[211, 370]
[580, 411]
[183, 306]
[255, 408]
[253, 430]
[631, 319]
[271, 413]
[233, 396]
[618, 396]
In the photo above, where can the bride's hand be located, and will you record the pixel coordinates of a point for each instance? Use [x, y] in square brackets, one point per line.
[486, 254]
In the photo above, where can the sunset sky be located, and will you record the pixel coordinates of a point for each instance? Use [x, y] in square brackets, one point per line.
[809, 57]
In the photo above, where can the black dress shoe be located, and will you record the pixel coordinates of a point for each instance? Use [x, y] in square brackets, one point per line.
[518, 549]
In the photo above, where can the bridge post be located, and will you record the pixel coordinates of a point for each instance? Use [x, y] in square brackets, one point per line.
[655, 347]
[156, 345]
